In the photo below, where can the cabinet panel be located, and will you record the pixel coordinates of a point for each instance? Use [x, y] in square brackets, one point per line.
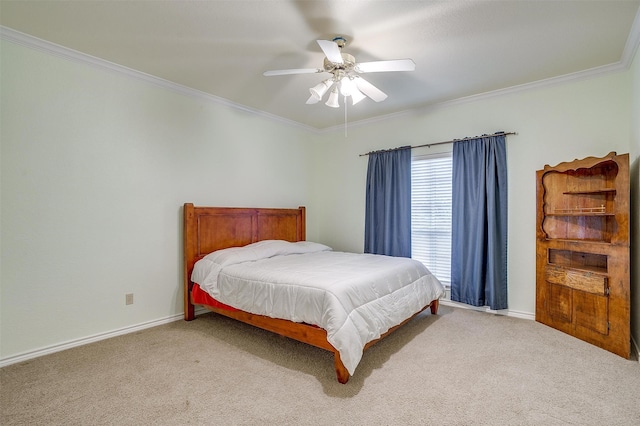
[592, 312]
[560, 303]
[580, 227]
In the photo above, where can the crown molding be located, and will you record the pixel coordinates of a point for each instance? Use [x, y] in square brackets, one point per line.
[628, 55]
[535, 85]
[630, 50]
[633, 41]
[54, 49]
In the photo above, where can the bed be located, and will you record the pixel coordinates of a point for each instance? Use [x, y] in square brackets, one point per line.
[220, 242]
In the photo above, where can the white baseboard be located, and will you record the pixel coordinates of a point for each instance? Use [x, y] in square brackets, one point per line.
[505, 312]
[24, 356]
[14, 359]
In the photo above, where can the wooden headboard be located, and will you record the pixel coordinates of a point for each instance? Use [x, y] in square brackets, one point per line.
[207, 229]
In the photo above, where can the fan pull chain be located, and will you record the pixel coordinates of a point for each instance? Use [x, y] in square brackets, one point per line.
[345, 116]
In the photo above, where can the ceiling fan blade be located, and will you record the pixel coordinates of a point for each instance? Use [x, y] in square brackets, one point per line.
[383, 66]
[292, 71]
[369, 89]
[331, 51]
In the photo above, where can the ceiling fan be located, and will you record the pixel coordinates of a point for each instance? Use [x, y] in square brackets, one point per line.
[345, 74]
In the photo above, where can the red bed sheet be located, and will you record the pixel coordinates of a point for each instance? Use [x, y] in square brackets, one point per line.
[201, 297]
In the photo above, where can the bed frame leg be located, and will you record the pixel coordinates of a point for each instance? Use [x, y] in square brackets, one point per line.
[341, 371]
[189, 314]
[434, 307]
[189, 309]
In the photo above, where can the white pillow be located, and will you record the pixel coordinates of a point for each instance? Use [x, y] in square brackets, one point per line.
[206, 270]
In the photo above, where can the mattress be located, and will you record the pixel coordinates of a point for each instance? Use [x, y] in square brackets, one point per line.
[355, 297]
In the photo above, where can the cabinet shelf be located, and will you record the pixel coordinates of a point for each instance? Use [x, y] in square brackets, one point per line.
[584, 269]
[573, 214]
[592, 191]
[574, 240]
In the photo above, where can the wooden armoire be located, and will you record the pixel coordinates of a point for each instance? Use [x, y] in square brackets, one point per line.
[582, 250]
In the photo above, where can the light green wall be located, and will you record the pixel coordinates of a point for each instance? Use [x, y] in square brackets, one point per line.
[96, 166]
[554, 124]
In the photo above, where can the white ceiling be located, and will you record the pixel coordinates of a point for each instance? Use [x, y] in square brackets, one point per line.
[461, 48]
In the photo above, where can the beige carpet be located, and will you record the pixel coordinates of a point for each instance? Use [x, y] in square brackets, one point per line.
[460, 367]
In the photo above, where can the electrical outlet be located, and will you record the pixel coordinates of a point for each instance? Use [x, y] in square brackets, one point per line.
[129, 299]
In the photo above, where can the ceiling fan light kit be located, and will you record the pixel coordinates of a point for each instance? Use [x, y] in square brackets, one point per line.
[345, 73]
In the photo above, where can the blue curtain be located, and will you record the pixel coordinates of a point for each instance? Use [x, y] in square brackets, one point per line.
[387, 227]
[479, 222]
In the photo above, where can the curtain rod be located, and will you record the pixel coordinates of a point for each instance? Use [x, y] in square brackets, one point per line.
[429, 145]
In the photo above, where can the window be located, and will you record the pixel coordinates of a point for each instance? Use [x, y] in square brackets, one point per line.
[431, 213]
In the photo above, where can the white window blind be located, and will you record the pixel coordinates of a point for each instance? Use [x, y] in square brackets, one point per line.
[431, 213]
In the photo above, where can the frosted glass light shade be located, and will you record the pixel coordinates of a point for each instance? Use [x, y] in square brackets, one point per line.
[333, 99]
[356, 95]
[347, 86]
[320, 89]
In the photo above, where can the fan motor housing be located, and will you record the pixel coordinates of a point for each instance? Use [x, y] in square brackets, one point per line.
[347, 65]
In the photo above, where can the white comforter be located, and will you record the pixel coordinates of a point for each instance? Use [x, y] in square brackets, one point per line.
[354, 297]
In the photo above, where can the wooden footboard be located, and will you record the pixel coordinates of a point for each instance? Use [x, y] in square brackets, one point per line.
[207, 229]
[308, 334]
